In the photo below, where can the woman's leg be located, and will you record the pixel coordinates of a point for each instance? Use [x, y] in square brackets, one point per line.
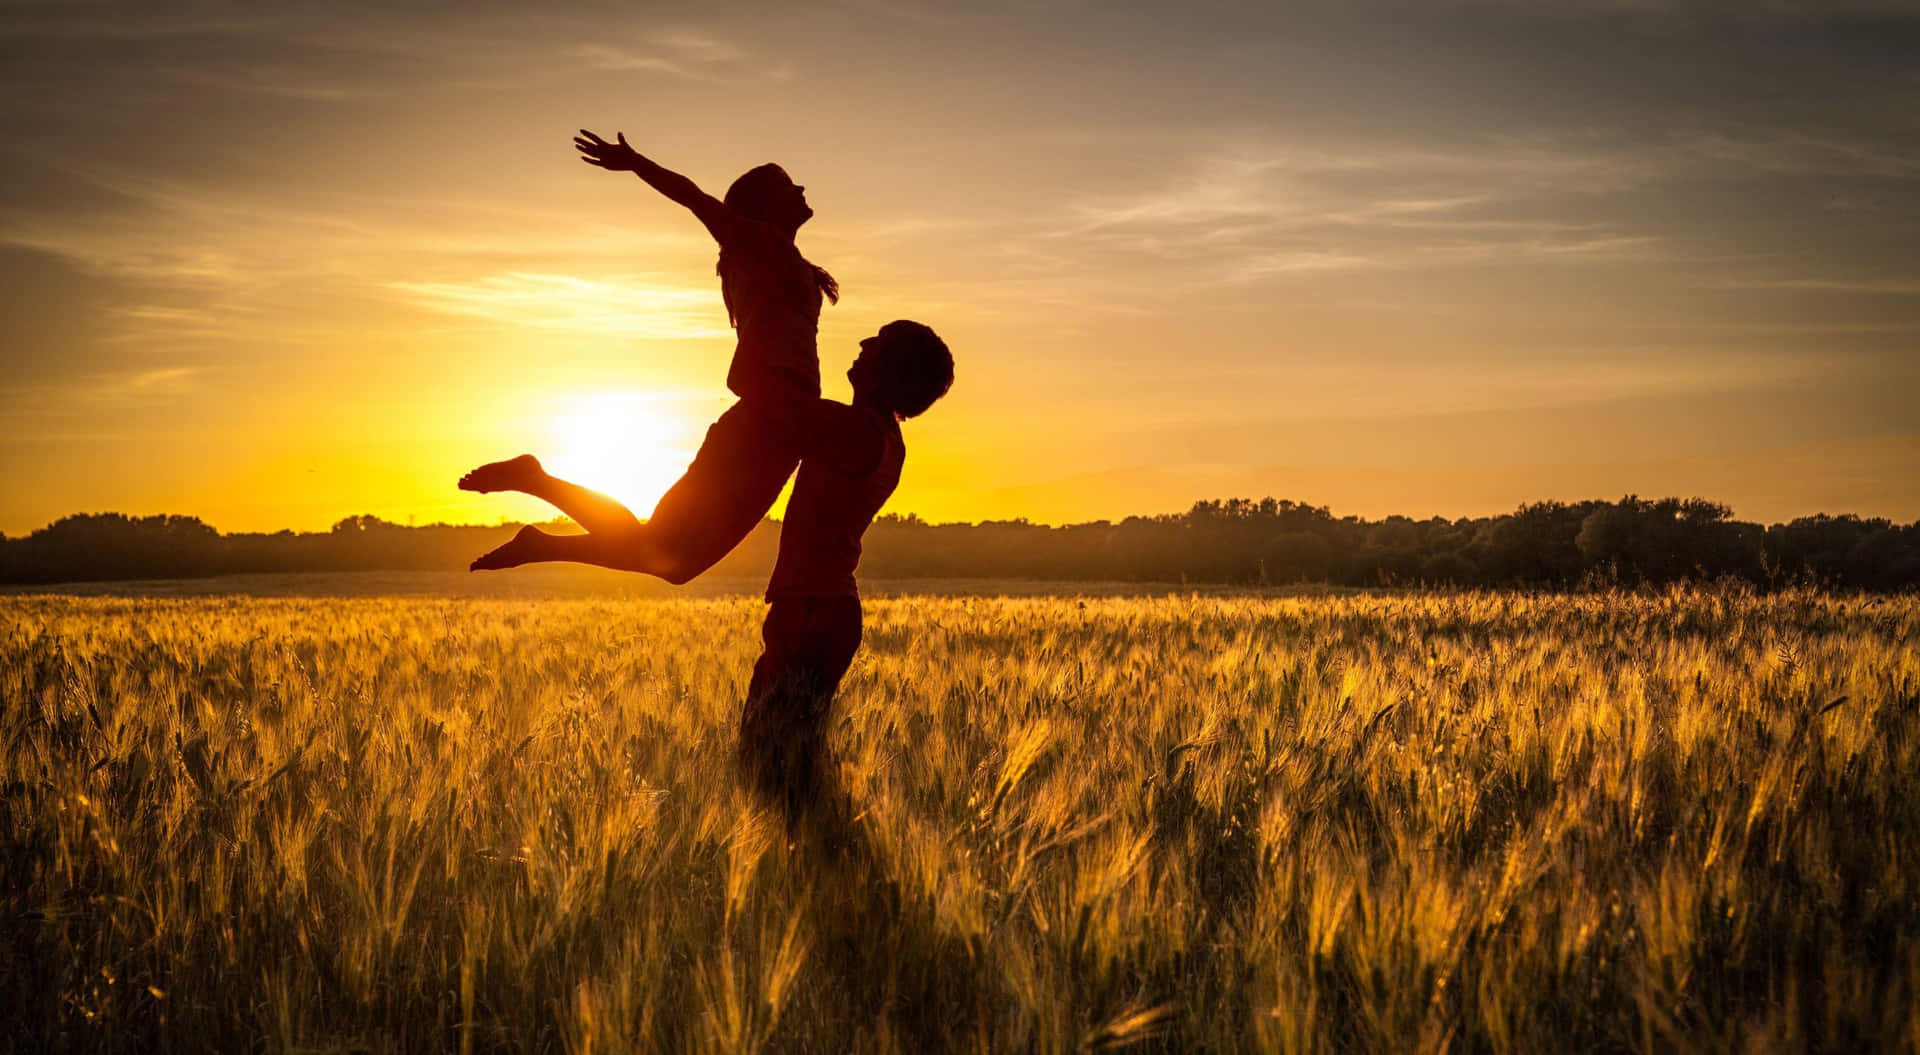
[590, 509]
[696, 523]
[746, 458]
[615, 538]
[635, 550]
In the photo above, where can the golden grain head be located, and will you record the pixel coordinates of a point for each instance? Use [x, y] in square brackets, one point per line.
[1486, 822]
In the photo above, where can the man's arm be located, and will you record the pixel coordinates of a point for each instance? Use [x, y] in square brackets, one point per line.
[619, 157]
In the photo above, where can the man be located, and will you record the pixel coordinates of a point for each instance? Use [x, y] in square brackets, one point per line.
[850, 465]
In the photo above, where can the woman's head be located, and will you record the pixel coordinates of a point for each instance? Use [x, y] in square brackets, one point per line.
[903, 369]
[767, 194]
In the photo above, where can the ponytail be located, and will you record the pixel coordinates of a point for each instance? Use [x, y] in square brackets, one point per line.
[828, 286]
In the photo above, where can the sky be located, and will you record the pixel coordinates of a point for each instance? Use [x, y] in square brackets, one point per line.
[273, 264]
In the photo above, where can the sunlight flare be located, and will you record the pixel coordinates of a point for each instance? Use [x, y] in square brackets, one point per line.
[630, 445]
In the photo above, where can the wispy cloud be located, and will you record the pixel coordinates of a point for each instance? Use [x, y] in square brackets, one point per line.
[691, 55]
[614, 305]
[1893, 287]
[1241, 216]
[103, 390]
[1360, 390]
[166, 377]
[279, 81]
[1804, 153]
[146, 321]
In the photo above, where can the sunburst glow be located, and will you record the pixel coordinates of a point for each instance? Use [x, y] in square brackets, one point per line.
[630, 445]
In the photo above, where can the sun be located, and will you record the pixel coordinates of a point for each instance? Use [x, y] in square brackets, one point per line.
[629, 445]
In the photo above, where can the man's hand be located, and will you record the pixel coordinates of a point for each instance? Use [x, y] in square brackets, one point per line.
[617, 157]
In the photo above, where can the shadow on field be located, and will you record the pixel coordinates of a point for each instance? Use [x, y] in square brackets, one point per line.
[883, 973]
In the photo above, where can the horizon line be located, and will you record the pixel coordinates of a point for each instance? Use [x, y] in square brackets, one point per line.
[909, 516]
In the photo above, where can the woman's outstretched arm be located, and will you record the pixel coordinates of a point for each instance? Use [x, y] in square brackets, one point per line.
[619, 157]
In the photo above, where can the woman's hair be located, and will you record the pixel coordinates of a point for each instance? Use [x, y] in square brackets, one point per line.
[916, 365]
[757, 195]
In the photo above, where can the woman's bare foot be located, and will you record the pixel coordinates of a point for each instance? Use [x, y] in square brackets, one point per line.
[523, 548]
[514, 474]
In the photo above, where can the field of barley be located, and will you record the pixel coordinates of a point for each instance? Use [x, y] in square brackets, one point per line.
[1686, 821]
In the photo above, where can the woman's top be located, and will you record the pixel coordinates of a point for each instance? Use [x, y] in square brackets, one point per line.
[773, 299]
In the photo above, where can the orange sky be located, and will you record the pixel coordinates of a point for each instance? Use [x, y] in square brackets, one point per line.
[276, 268]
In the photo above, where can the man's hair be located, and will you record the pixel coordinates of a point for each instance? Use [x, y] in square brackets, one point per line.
[918, 368]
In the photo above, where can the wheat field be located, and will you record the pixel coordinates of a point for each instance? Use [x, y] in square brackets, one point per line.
[1684, 821]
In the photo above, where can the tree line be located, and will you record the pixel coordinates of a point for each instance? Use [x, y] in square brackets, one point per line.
[1633, 541]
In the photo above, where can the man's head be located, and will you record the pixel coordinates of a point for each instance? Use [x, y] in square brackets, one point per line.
[902, 369]
[768, 194]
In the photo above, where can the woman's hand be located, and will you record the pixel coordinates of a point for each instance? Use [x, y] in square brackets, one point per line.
[617, 157]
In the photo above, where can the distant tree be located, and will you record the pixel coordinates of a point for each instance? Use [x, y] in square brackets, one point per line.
[1293, 556]
[1670, 539]
[1235, 540]
[1842, 551]
[114, 546]
[1538, 544]
[1448, 569]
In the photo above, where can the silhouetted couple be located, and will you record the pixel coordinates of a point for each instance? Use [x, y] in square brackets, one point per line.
[849, 458]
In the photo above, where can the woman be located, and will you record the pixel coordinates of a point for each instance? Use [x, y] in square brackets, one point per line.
[773, 296]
